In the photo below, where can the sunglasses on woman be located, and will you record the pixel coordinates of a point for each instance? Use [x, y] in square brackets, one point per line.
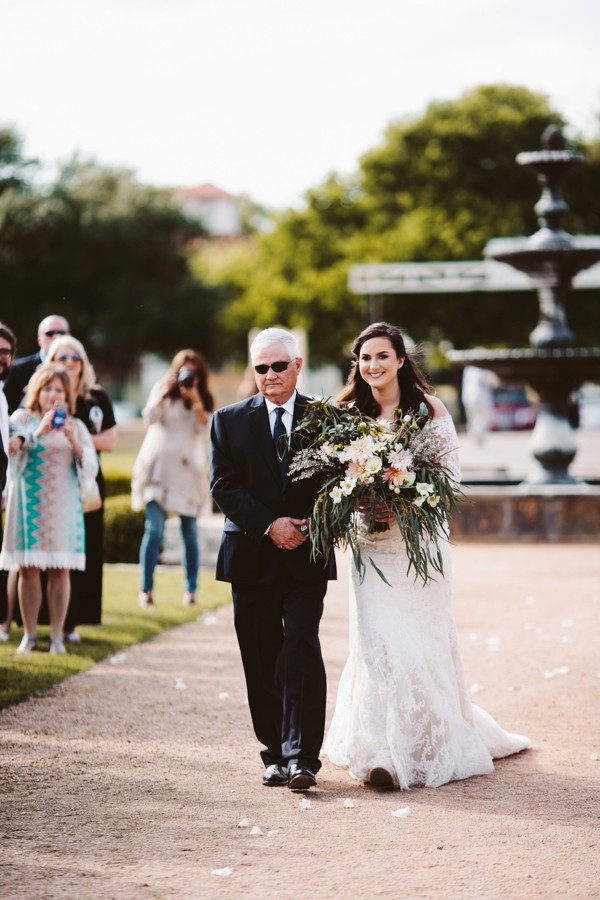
[65, 357]
[279, 366]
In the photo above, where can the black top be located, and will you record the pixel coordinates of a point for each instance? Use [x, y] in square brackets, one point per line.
[97, 414]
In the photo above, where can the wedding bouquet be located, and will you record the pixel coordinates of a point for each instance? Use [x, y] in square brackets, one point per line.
[369, 468]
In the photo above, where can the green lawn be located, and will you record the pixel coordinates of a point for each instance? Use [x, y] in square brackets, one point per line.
[123, 623]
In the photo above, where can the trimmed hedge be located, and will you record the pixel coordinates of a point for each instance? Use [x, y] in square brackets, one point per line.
[117, 484]
[123, 530]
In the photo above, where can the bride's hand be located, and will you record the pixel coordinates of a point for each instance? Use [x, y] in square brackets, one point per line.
[383, 511]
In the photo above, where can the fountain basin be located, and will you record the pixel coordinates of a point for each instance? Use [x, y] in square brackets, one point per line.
[553, 513]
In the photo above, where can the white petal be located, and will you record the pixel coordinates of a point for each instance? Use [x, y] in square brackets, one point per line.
[567, 639]
[224, 872]
[118, 658]
[529, 601]
[180, 684]
[595, 756]
[402, 813]
[567, 623]
[223, 695]
[256, 830]
[209, 620]
[348, 804]
[563, 670]
[304, 804]
[243, 823]
[475, 688]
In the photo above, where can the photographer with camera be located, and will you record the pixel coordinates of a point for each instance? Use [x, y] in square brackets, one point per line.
[171, 471]
[44, 517]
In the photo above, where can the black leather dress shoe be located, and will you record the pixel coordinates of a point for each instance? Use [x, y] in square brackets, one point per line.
[275, 776]
[300, 778]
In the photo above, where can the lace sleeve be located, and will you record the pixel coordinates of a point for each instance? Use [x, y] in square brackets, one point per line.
[446, 434]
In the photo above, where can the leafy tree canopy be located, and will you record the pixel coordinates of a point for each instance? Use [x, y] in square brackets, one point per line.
[109, 254]
[438, 188]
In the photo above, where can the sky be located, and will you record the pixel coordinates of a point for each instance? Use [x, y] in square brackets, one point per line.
[267, 97]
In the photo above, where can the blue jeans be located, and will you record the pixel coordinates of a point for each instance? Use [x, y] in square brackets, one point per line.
[154, 530]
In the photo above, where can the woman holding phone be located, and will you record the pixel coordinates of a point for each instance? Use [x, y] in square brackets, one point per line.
[94, 408]
[44, 518]
[171, 472]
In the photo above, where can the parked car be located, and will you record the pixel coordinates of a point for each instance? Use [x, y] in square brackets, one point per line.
[513, 410]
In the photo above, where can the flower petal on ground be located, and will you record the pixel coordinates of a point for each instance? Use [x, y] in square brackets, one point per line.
[223, 872]
[402, 813]
[304, 804]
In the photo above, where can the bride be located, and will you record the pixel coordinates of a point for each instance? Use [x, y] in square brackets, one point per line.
[403, 715]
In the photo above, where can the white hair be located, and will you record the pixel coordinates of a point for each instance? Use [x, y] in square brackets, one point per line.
[271, 336]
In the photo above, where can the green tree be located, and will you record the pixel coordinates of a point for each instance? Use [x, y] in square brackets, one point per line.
[108, 253]
[13, 165]
[438, 188]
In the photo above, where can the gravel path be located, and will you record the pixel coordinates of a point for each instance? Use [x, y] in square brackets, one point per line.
[129, 780]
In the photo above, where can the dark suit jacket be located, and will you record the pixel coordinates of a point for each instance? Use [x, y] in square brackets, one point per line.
[18, 379]
[3, 466]
[247, 487]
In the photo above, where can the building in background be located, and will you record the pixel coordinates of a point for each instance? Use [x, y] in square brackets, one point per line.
[216, 209]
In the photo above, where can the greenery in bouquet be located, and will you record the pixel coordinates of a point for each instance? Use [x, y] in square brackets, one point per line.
[367, 469]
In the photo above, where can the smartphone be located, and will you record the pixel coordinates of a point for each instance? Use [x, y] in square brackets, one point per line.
[304, 529]
[60, 415]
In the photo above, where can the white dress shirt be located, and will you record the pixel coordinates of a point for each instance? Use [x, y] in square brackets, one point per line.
[288, 416]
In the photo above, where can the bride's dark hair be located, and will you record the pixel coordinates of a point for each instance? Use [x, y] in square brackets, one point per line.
[411, 380]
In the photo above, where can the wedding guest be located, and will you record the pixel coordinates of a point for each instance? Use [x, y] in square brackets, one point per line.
[403, 715]
[171, 472]
[477, 395]
[277, 590]
[94, 408]
[23, 368]
[44, 519]
[8, 344]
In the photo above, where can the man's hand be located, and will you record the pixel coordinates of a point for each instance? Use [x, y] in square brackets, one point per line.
[285, 533]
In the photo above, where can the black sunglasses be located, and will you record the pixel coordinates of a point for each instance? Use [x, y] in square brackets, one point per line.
[279, 366]
[54, 332]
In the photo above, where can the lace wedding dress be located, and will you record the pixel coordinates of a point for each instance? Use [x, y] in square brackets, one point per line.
[402, 701]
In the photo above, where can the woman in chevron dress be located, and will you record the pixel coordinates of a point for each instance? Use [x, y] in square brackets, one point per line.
[44, 518]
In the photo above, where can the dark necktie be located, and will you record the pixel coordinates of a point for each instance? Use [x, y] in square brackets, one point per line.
[281, 441]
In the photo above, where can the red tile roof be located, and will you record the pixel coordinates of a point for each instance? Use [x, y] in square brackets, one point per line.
[205, 192]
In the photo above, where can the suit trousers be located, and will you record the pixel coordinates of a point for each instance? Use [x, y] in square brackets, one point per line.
[277, 628]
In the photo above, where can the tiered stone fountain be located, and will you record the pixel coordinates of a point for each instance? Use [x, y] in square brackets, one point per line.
[553, 365]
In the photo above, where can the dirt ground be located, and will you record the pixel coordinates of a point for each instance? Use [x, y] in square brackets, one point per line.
[130, 780]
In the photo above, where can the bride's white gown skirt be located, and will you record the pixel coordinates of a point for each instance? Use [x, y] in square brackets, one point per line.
[402, 701]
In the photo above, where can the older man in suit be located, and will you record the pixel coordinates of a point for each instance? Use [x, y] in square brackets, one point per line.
[277, 590]
[22, 370]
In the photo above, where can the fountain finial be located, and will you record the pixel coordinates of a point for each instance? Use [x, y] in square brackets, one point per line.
[553, 138]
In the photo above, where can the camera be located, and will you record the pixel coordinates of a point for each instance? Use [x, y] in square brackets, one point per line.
[186, 377]
[60, 415]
